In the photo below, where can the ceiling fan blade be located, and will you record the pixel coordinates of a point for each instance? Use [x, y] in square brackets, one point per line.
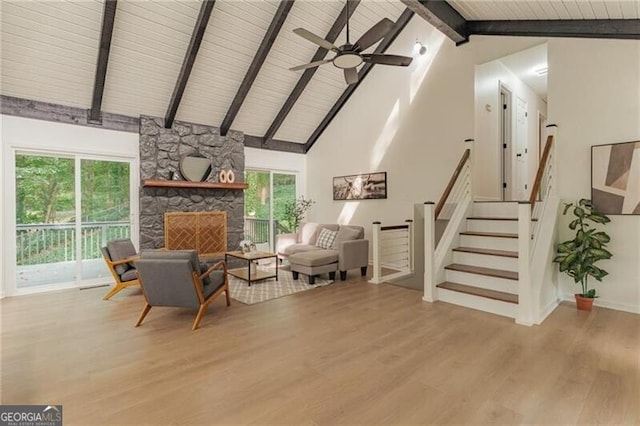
[401, 61]
[374, 34]
[310, 65]
[351, 75]
[315, 39]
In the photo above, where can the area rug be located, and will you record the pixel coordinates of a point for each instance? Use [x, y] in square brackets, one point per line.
[261, 291]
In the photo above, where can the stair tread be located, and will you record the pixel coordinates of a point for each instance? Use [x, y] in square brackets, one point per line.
[480, 270]
[497, 218]
[491, 252]
[482, 292]
[490, 234]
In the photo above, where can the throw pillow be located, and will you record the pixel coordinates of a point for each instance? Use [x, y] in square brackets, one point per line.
[308, 232]
[346, 233]
[121, 249]
[326, 238]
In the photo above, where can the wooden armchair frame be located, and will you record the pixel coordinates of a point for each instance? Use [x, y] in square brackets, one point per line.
[119, 284]
[197, 283]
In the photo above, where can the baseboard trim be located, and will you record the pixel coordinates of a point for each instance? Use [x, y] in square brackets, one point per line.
[481, 198]
[604, 303]
[548, 310]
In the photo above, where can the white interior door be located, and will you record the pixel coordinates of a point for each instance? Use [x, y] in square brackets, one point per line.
[521, 159]
[505, 143]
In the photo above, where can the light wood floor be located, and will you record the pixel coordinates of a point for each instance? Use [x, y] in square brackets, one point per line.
[348, 353]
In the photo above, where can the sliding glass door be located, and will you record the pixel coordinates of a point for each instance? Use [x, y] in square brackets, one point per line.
[265, 201]
[45, 220]
[105, 211]
[67, 207]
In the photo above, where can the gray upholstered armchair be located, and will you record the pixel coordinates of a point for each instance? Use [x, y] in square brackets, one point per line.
[174, 278]
[120, 255]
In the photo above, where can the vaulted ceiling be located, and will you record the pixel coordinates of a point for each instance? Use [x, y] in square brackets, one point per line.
[225, 63]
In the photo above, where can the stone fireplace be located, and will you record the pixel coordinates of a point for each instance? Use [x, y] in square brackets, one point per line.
[160, 153]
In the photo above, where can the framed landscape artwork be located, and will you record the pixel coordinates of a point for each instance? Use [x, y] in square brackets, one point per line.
[615, 178]
[360, 187]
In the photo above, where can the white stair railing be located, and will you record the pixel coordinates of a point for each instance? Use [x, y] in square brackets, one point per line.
[392, 251]
[534, 250]
[454, 211]
[454, 207]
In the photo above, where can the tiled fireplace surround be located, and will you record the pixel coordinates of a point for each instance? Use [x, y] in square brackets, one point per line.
[160, 153]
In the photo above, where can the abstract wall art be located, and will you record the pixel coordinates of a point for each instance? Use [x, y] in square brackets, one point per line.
[615, 178]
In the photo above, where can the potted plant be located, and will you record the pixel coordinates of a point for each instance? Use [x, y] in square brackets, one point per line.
[577, 257]
[295, 210]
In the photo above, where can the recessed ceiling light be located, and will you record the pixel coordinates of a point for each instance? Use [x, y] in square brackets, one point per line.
[541, 71]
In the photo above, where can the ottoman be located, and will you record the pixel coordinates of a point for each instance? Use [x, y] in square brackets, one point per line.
[314, 262]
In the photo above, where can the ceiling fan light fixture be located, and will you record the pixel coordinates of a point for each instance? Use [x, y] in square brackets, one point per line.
[344, 60]
[420, 48]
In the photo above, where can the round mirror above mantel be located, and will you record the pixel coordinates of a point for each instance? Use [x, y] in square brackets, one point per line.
[195, 167]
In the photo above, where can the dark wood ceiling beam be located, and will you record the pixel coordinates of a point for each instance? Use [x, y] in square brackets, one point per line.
[402, 22]
[189, 60]
[331, 36]
[108, 19]
[259, 58]
[275, 145]
[38, 110]
[442, 16]
[582, 28]
[56, 113]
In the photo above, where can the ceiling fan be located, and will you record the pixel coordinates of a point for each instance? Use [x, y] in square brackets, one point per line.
[349, 56]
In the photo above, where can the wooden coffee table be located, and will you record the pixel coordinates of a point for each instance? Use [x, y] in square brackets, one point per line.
[251, 274]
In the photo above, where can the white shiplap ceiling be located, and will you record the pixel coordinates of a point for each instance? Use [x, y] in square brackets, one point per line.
[478, 10]
[275, 81]
[147, 49]
[49, 51]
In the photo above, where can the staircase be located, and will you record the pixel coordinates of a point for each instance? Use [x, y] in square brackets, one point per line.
[494, 256]
[483, 273]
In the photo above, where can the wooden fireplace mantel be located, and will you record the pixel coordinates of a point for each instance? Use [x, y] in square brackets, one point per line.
[186, 184]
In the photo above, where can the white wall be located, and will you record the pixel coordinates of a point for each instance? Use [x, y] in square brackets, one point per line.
[410, 122]
[44, 136]
[594, 98]
[487, 150]
[281, 161]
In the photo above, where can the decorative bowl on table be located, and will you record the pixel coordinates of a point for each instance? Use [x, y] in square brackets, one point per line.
[247, 246]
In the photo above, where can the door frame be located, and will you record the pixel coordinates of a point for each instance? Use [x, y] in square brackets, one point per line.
[521, 149]
[10, 288]
[272, 236]
[29, 134]
[505, 141]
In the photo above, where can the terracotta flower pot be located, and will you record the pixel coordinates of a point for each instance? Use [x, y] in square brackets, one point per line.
[583, 303]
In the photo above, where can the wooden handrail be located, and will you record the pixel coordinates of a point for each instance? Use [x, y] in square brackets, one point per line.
[540, 173]
[452, 181]
[393, 227]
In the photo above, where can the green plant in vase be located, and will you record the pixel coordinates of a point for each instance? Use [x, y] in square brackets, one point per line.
[578, 257]
[295, 210]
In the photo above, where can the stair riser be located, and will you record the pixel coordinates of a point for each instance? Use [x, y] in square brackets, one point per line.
[487, 261]
[495, 209]
[479, 303]
[482, 281]
[503, 226]
[510, 244]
